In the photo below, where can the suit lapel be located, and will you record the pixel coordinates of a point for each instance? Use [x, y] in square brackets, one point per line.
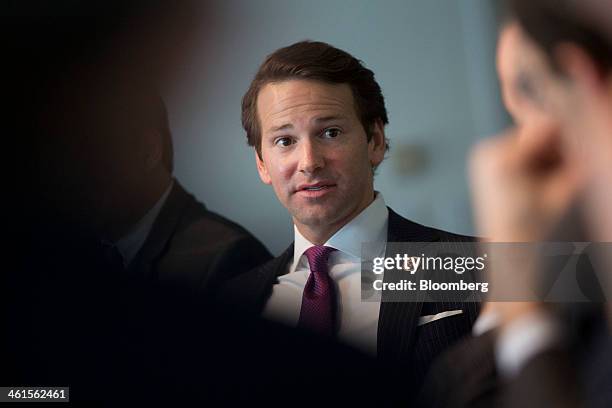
[397, 321]
[254, 288]
[269, 274]
[281, 267]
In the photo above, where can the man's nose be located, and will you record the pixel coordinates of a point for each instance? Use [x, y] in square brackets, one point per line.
[311, 158]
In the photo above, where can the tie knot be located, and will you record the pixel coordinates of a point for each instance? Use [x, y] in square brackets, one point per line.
[317, 257]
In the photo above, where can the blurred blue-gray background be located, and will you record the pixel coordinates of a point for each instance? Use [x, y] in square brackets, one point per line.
[435, 62]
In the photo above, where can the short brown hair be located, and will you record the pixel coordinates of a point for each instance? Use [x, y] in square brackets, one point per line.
[320, 62]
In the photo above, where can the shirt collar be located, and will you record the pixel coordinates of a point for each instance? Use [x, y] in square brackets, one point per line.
[130, 244]
[369, 226]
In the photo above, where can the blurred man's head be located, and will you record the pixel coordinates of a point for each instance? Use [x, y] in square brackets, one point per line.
[573, 40]
[316, 116]
[91, 138]
[515, 53]
[573, 48]
[108, 154]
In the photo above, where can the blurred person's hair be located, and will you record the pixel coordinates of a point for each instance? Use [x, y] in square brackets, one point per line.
[318, 61]
[586, 23]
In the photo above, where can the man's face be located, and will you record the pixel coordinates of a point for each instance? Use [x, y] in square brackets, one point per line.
[541, 92]
[315, 152]
[96, 165]
[515, 58]
[531, 88]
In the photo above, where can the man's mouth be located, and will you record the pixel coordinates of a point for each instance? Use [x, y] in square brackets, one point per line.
[315, 189]
[321, 185]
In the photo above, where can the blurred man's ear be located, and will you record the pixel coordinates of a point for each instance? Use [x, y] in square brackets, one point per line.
[262, 169]
[153, 150]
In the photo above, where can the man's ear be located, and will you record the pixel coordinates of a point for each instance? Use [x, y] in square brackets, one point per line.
[153, 150]
[262, 170]
[377, 146]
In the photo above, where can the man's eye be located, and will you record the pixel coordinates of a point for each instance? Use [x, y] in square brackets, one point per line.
[283, 141]
[331, 133]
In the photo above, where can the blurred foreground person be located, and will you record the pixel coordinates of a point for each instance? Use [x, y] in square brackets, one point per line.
[555, 175]
[106, 173]
[465, 375]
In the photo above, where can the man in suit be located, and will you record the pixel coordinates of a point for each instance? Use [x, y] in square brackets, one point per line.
[558, 173]
[118, 188]
[316, 117]
[187, 244]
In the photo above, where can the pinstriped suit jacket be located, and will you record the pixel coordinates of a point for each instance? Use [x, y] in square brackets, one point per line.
[402, 343]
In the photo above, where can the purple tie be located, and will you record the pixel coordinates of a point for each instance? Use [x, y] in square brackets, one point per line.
[318, 301]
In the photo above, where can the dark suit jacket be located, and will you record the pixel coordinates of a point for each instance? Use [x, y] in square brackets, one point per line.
[463, 375]
[73, 318]
[191, 247]
[575, 373]
[401, 342]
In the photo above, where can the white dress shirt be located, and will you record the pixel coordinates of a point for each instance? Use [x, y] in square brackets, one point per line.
[358, 320]
[523, 339]
[130, 244]
[485, 322]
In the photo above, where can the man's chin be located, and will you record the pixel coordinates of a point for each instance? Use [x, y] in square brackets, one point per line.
[322, 218]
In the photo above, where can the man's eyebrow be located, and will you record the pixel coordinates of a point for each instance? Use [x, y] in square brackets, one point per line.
[322, 119]
[329, 118]
[282, 127]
